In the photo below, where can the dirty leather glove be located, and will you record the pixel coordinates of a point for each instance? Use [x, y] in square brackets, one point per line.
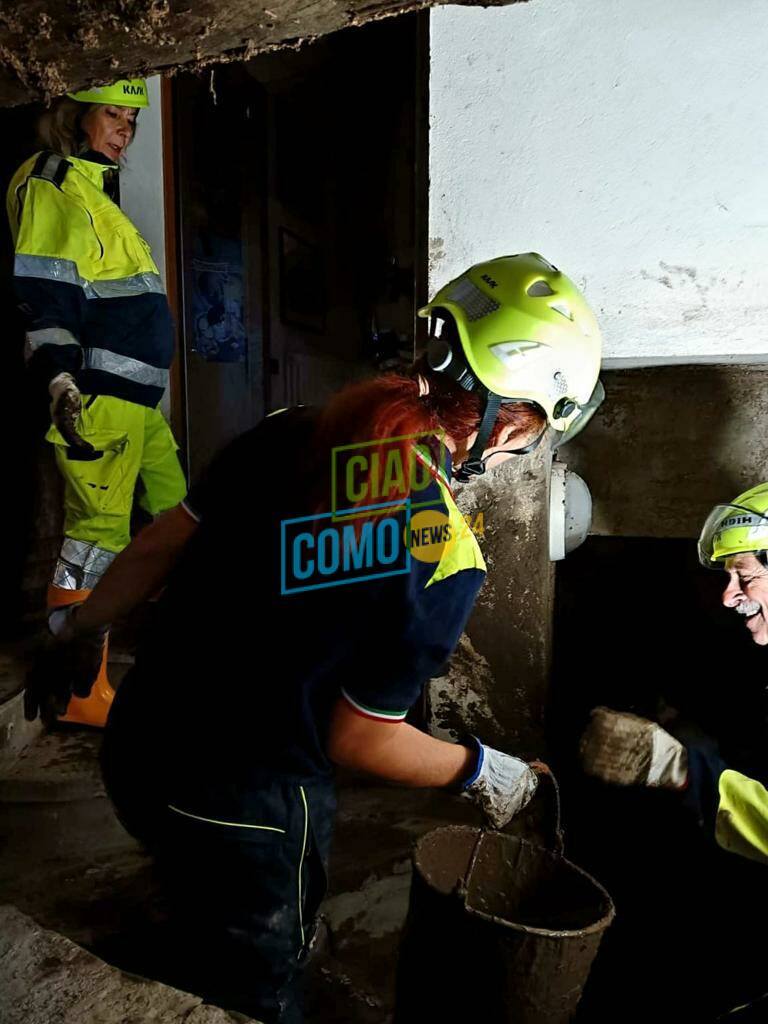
[631, 751]
[67, 664]
[501, 785]
[66, 406]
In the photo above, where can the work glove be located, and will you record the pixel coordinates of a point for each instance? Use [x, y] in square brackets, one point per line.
[501, 785]
[631, 751]
[66, 406]
[66, 665]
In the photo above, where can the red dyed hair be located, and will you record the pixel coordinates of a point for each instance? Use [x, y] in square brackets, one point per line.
[390, 406]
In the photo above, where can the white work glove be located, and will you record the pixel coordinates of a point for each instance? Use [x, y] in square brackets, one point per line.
[66, 406]
[500, 786]
[61, 623]
[631, 751]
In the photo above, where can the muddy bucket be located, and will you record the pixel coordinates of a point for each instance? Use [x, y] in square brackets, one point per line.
[499, 930]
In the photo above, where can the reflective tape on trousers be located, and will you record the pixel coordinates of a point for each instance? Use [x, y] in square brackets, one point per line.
[50, 268]
[124, 366]
[86, 555]
[68, 577]
[81, 564]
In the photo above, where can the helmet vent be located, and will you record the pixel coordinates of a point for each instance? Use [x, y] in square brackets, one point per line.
[563, 309]
[509, 352]
[539, 289]
[474, 303]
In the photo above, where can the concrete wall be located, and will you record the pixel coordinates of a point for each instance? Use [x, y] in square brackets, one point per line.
[624, 141]
[669, 443]
[496, 683]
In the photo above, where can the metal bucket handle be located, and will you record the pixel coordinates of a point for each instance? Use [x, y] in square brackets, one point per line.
[541, 769]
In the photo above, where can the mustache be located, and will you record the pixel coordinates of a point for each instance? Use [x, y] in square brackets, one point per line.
[748, 608]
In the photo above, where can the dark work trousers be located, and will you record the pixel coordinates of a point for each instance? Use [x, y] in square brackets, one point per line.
[242, 869]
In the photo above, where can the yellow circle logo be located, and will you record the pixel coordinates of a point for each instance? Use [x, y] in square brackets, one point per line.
[429, 535]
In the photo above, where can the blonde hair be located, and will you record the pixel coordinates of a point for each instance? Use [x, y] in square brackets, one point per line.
[60, 128]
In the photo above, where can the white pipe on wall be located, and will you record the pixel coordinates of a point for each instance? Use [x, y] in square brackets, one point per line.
[142, 184]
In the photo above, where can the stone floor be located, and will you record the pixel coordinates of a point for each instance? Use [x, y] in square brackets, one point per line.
[687, 927]
[45, 978]
[68, 864]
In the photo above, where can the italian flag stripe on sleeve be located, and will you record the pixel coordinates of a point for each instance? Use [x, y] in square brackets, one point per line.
[375, 713]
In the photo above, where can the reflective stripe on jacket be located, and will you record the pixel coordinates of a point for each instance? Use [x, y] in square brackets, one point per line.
[86, 281]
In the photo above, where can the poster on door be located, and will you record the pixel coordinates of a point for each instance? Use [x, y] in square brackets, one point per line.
[217, 303]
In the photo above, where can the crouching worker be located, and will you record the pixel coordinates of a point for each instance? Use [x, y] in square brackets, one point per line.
[275, 656]
[625, 749]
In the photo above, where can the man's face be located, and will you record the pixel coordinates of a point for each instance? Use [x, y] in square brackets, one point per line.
[747, 593]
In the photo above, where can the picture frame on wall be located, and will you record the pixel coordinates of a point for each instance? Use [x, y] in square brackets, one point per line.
[302, 283]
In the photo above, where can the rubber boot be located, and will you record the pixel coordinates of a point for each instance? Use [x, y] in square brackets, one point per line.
[91, 710]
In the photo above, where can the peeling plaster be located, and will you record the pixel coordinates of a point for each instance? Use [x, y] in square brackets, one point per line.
[458, 702]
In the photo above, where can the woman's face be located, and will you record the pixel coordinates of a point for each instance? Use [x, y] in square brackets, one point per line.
[110, 129]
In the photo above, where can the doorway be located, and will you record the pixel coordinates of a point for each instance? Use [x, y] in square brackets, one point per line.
[302, 212]
[219, 131]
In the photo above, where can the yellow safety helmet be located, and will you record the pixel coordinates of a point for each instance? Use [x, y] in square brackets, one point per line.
[526, 335]
[737, 527]
[128, 92]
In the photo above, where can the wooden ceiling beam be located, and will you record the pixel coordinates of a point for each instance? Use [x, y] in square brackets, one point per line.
[48, 47]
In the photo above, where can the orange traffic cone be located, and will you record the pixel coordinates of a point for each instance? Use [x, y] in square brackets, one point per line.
[93, 709]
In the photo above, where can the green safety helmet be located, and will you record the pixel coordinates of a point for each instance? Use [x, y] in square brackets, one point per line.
[128, 92]
[526, 335]
[735, 528]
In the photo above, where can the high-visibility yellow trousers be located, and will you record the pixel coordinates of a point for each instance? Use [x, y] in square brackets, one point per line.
[134, 454]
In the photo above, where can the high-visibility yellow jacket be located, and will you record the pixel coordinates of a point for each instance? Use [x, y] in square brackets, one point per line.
[85, 279]
[727, 803]
[742, 816]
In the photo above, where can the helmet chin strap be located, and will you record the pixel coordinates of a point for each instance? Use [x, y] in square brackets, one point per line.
[474, 464]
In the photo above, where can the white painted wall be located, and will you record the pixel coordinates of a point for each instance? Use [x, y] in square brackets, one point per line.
[627, 142]
[142, 183]
[141, 180]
